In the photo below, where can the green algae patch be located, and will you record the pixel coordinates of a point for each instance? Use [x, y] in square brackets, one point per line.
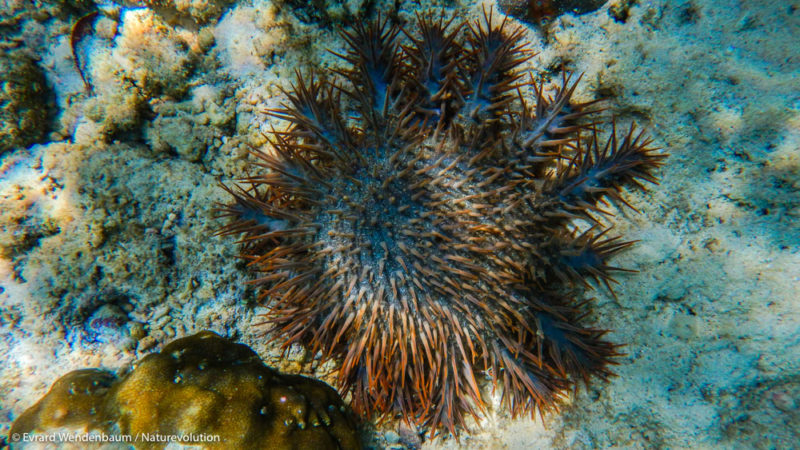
[198, 386]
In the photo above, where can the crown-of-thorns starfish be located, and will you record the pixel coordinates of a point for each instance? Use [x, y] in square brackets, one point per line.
[416, 221]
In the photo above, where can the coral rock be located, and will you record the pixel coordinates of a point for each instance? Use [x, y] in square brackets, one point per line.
[198, 385]
[189, 13]
[542, 11]
[23, 102]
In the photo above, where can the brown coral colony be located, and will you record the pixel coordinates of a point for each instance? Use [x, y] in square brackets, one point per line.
[432, 237]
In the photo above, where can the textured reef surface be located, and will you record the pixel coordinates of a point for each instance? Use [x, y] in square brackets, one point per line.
[203, 386]
[23, 102]
[434, 238]
[109, 177]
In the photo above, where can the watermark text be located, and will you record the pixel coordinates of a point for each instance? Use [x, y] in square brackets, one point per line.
[77, 438]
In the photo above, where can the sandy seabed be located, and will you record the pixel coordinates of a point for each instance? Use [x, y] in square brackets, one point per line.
[106, 235]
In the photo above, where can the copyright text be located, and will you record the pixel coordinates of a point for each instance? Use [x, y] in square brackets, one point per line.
[112, 438]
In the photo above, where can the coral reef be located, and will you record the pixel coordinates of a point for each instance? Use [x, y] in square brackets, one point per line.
[24, 102]
[109, 221]
[541, 12]
[150, 55]
[188, 13]
[325, 11]
[76, 400]
[15, 13]
[145, 62]
[191, 127]
[447, 230]
[201, 385]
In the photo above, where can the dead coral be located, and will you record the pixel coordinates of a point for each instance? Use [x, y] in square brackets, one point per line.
[24, 102]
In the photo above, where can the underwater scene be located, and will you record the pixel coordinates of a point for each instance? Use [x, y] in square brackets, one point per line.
[399, 224]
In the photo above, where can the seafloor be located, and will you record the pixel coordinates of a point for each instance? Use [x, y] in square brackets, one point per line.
[107, 246]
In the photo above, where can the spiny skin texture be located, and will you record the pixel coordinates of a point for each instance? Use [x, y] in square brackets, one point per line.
[429, 239]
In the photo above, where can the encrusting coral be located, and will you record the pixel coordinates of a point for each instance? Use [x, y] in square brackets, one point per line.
[201, 385]
[443, 231]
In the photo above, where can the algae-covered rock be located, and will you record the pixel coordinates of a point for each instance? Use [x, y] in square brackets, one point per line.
[324, 11]
[23, 102]
[192, 127]
[187, 13]
[540, 12]
[200, 387]
[202, 11]
[14, 13]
